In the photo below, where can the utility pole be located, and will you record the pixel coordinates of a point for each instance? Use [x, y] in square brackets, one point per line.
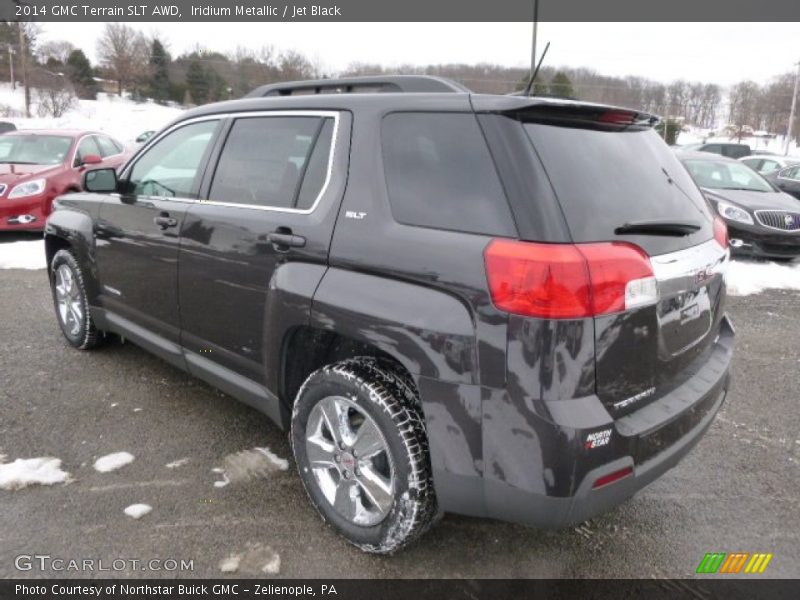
[533, 40]
[791, 113]
[11, 66]
[24, 62]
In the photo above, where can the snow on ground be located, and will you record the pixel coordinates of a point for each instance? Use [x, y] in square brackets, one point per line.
[137, 511]
[112, 462]
[248, 464]
[29, 471]
[23, 255]
[177, 463]
[746, 278]
[121, 118]
[256, 560]
[276, 460]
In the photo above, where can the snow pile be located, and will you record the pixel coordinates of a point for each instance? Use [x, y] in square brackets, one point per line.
[177, 463]
[249, 464]
[279, 462]
[746, 278]
[112, 462]
[121, 118]
[256, 560]
[29, 471]
[23, 255]
[137, 511]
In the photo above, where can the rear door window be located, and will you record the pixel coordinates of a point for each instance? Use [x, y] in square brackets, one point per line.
[440, 174]
[276, 161]
[605, 179]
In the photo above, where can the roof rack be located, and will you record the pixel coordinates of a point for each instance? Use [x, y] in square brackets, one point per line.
[348, 85]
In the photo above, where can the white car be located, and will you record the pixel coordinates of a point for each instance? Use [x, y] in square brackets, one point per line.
[767, 163]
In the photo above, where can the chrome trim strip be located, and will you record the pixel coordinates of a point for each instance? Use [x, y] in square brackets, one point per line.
[335, 115]
[679, 271]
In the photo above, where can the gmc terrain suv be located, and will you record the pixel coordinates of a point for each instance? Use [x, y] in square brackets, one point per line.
[500, 306]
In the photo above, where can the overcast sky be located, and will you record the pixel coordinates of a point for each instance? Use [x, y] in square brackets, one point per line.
[722, 53]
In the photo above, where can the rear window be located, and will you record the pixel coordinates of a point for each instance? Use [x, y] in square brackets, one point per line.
[604, 179]
[439, 174]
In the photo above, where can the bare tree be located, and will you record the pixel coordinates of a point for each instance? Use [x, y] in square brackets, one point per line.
[57, 50]
[744, 98]
[124, 52]
[54, 93]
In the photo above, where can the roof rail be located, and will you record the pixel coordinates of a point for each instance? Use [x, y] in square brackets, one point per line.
[349, 85]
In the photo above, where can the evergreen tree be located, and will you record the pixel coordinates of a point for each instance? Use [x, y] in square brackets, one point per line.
[80, 74]
[197, 83]
[160, 85]
[560, 85]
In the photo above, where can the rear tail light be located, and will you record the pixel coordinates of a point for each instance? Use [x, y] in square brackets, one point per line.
[721, 232]
[568, 281]
[612, 477]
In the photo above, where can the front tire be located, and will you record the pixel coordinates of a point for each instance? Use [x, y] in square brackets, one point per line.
[71, 302]
[362, 453]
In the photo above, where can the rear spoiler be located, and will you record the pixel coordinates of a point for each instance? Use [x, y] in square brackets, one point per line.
[567, 113]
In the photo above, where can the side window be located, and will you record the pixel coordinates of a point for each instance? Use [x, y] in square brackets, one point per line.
[169, 168]
[439, 173]
[265, 159]
[768, 166]
[86, 146]
[715, 148]
[107, 146]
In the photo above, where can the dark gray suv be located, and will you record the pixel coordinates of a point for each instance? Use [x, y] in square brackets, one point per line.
[499, 306]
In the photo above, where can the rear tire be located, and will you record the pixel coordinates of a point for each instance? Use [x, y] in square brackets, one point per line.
[71, 302]
[361, 450]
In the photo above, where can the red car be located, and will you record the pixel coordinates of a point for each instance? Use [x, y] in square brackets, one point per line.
[38, 165]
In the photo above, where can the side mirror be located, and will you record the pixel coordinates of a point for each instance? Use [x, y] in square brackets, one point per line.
[100, 181]
[91, 159]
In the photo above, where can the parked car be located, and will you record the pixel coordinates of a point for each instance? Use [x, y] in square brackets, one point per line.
[786, 179]
[449, 308]
[724, 149]
[762, 220]
[144, 136]
[6, 126]
[38, 165]
[765, 164]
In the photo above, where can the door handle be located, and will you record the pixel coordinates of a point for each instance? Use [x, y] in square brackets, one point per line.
[283, 239]
[164, 221]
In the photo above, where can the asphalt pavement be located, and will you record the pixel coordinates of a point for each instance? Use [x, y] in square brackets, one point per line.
[737, 491]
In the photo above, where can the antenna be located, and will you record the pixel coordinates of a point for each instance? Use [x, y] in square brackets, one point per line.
[536, 70]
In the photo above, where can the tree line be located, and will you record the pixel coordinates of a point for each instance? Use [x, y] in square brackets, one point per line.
[129, 61]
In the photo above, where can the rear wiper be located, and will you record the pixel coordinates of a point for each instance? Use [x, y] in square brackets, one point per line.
[659, 227]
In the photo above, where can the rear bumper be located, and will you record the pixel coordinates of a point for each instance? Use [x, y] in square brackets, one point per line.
[525, 456]
[550, 512]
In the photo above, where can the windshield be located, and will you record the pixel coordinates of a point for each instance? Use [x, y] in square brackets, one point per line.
[34, 149]
[726, 176]
[605, 179]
